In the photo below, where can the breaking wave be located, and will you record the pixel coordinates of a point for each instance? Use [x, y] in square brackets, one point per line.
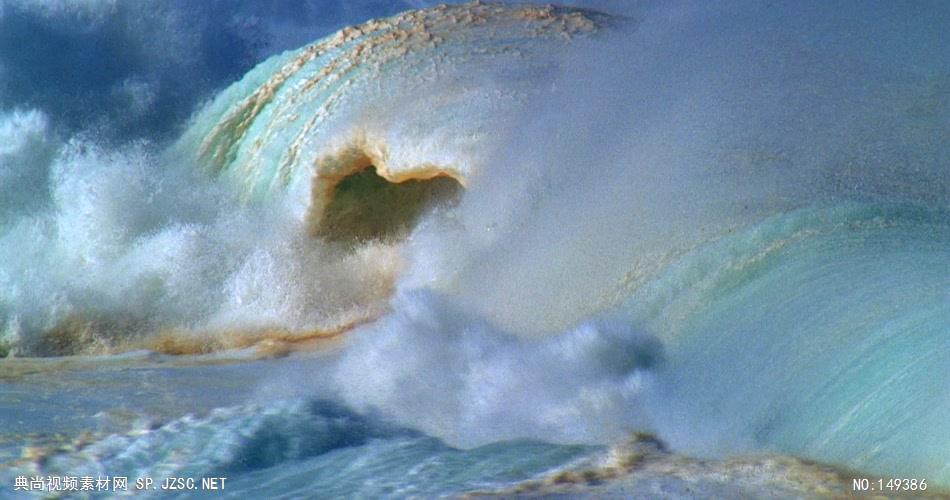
[727, 227]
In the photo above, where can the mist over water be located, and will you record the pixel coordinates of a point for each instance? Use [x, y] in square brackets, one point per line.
[724, 225]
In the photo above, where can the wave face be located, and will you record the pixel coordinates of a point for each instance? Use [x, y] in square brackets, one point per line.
[825, 331]
[727, 227]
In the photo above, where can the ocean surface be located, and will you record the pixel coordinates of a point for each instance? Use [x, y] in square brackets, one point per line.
[368, 249]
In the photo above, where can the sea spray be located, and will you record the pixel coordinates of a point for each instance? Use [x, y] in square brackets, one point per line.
[725, 226]
[433, 367]
[126, 246]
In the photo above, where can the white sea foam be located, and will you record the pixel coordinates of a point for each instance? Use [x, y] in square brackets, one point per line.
[663, 159]
[132, 246]
[433, 367]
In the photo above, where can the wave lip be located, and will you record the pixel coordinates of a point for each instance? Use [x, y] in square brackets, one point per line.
[361, 98]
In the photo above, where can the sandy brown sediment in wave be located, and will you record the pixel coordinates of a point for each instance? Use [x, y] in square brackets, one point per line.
[187, 348]
[82, 333]
[78, 336]
[643, 467]
[266, 342]
[382, 210]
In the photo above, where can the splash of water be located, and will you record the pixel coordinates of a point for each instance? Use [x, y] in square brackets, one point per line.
[732, 236]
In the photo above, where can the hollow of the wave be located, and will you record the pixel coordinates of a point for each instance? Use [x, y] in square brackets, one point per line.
[365, 206]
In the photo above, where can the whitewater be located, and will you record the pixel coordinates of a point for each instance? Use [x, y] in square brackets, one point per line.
[627, 249]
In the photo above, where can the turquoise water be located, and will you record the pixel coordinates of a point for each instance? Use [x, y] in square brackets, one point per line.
[728, 227]
[822, 333]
